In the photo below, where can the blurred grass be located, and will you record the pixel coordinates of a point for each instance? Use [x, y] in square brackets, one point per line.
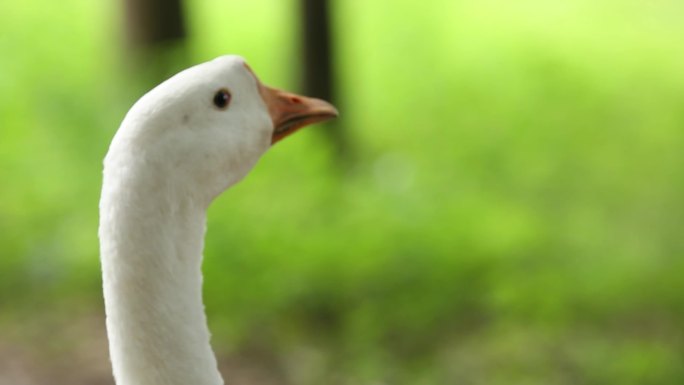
[515, 214]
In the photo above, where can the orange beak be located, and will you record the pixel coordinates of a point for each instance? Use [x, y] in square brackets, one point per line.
[290, 112]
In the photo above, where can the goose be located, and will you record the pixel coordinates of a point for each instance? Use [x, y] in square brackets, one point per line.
[179, 147]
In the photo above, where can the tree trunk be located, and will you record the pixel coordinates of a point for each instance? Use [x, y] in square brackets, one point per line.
[151, 22]
[318, 79]
[155, 34]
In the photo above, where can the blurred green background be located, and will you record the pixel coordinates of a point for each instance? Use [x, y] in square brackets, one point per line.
[513, 213]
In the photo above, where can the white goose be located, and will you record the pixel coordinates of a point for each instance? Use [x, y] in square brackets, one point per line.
[181, 145]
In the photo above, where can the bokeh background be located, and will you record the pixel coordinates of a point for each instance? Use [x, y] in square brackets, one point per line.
[507, 208]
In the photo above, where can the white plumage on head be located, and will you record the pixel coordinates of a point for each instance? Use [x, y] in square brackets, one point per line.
[181, 145]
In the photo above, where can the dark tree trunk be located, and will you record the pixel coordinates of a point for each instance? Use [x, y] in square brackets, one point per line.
[155, 37]
[151, 22]
[318, 78]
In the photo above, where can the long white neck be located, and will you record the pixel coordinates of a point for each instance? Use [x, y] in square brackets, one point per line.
[151, 249]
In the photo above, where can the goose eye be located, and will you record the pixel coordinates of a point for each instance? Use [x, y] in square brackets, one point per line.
[222, 99]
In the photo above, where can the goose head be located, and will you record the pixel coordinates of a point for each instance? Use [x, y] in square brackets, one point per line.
[203, 129]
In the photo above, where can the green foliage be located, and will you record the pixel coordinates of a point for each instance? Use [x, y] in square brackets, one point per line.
[514, 215]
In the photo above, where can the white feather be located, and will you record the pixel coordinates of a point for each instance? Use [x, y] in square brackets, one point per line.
[173, 154]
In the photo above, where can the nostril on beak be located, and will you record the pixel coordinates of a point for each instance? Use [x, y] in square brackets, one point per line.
[296, 100]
